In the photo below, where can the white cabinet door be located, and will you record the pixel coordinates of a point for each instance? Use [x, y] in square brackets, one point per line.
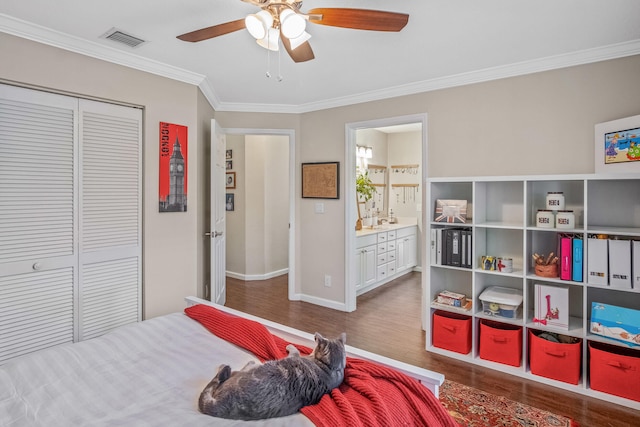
[369, 270]
[365, 271]
[406, 253]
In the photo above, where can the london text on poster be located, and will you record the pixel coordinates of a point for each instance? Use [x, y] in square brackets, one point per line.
[173, 168]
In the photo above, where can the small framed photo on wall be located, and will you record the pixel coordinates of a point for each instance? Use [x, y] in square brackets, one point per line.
[230, 202]
[229, 154]
[229, 165]
[231, 180]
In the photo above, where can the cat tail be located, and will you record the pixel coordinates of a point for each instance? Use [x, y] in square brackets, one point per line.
[206, 397]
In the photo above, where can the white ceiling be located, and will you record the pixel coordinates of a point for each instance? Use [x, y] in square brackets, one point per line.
[446, 43]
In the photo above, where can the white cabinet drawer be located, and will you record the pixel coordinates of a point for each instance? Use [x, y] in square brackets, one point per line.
[391, 235]
[391, 245]
[382, 237]
[391, 255]
[382, 247]
[382, 272]
[383, 258]
[391, 268]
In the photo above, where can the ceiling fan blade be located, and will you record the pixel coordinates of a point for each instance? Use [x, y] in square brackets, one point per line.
[359, 19]
[214, 31]
[300, 54]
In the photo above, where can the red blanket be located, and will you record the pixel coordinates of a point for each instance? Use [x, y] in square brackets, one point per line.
[370, 395]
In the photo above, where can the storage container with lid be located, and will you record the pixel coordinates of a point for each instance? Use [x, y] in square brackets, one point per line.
[499, 301]
[565, 219]
[545, 218]
[555, 200]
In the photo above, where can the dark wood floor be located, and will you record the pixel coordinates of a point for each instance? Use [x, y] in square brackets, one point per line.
[387, 322]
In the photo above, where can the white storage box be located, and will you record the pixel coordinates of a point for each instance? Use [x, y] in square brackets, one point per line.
[504, 302]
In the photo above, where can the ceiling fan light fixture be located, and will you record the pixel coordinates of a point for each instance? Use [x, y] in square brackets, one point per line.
[292, 24]
[296, 42]
[270, 41]
[258, 24]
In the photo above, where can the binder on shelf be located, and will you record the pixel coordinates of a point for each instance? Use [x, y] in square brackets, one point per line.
[636, 264]
[434, 246]
[463, 248]
[578, 266]
[467, 248]
[597, 261]
[620, 264]
[440, 245]
[565, 258]
[454, 251]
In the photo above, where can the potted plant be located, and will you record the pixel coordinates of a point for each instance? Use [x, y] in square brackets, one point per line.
[364, 192]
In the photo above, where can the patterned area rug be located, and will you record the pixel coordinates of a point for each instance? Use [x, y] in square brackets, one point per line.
[475, 408]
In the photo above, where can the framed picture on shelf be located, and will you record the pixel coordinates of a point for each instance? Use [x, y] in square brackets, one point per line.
[321, 180]
[617, 146]
[231, 180]
[453, 211]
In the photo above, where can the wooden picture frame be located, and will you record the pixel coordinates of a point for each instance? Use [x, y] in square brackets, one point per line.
[622, 155]
[230, 182]
[321, 180]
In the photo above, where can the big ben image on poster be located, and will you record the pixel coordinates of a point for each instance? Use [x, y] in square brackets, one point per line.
[173, 168]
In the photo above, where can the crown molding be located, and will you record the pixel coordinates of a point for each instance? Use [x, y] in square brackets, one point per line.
[30, 31]
[582, 57]
[54, 38]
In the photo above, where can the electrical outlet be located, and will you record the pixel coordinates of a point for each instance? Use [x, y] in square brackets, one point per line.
[327, 280]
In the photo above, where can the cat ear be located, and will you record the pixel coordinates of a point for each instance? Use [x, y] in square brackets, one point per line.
[318, 337]
[343, 337]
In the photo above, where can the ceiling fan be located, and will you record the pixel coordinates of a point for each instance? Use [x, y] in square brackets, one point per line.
[283, 20]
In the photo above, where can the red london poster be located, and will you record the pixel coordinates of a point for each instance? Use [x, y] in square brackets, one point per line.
[173, 168]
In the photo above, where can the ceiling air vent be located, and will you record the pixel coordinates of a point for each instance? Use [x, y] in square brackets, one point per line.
[122, 37]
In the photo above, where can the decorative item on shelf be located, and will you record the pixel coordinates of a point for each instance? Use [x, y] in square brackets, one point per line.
[555, 200]
[545, 218]
[454, 211]
[618, 323]
[488, 262]
[546, 266]
[551, 305]
[565, 219]
[505, 265]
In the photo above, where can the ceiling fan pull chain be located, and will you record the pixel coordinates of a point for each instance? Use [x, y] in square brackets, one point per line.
[268, 74]
[279, 72]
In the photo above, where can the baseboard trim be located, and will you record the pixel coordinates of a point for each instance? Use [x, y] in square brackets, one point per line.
[323, 302]
[252, 277]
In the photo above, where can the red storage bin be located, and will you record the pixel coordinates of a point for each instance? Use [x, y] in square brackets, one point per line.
[501, 342]
[557, 361]
[615, 370]
[451, 331]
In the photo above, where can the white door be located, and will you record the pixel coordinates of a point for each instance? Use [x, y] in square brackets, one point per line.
[218, 215]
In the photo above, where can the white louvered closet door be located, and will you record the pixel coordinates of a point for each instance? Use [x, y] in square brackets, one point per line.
[52, 214]
[110, 217]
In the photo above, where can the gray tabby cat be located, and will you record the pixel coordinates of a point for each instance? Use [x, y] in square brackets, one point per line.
[278, 387]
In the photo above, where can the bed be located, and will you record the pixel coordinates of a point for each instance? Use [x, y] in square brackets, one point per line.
[151, 374]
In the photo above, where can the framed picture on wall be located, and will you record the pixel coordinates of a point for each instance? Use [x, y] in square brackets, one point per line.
[230, 202]
[229, 154]
[321, 180]
[229, 165]
[617, 146]
[231, 180]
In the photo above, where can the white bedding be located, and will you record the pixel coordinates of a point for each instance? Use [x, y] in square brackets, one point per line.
[146, 374]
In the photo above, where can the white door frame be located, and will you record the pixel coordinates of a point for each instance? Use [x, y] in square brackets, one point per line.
[292, 191]
[350, 196]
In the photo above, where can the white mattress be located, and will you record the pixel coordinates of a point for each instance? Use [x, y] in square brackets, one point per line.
[146, 374]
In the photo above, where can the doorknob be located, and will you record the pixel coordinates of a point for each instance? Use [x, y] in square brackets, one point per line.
[214, 234]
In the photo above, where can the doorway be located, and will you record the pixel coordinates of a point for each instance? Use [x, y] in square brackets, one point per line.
[258, 163]
[418, 121]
